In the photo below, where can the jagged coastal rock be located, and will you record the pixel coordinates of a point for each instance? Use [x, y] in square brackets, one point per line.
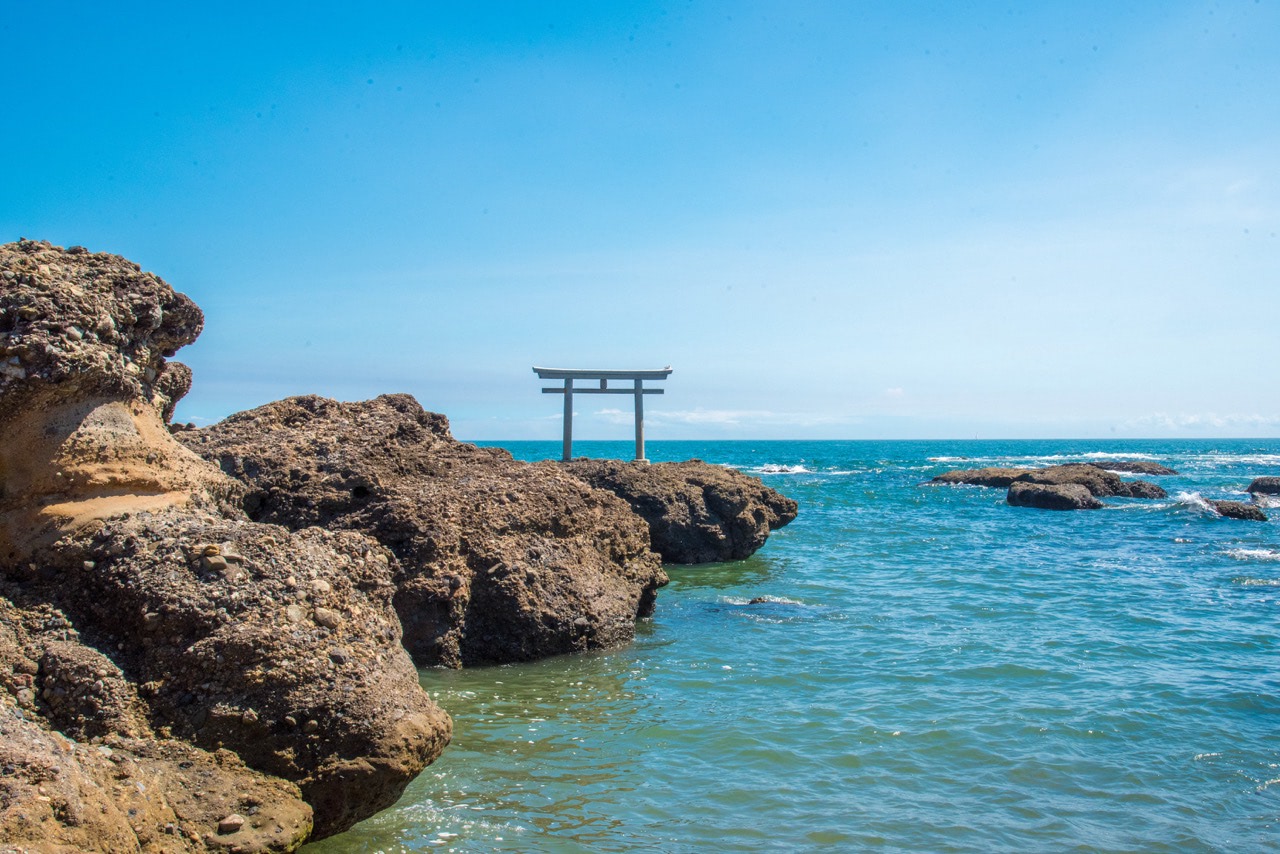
[253, 674]
[696, 512]
[498, 560]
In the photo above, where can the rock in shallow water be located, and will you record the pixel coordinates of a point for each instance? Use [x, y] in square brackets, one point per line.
[1238, 510]
[1052, 496]
[696, 512]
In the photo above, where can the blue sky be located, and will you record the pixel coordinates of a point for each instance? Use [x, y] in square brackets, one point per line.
[833, 219]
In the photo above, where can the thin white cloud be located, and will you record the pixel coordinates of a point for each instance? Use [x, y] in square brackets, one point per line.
[1192, 422]
[724, 417]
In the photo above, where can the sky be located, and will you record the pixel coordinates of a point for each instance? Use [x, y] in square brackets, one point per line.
[832, 219]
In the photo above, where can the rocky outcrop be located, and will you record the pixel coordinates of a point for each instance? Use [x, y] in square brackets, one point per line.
[696, 512]
[1134, 467]
[1237, 510]
[1097, 481]
[498, 560]
[1052, 496]
[84, 387]
[147, 618]
[1101, 484]
[1265, 486]
[997, 477]
[1144, 489]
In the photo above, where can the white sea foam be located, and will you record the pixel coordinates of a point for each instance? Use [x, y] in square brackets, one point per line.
[1196, 500]
[1265, 555]
[779, 468]
[759, 600]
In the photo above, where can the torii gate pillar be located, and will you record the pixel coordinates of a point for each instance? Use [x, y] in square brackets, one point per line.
[568, 390]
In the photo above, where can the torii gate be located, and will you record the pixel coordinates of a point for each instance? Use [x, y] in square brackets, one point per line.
[637, 389]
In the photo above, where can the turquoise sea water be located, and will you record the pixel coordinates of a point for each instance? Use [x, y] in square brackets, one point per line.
[933, 670]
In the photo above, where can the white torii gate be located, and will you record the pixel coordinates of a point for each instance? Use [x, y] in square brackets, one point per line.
[568, 390]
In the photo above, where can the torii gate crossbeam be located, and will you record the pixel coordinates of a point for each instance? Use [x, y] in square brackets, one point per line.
[569, 375]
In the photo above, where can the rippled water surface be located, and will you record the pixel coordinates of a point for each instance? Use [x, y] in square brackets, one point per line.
[930, 670]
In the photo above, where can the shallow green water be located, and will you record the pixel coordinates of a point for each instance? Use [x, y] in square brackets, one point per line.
[933, 671]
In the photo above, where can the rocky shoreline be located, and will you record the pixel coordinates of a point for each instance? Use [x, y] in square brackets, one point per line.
[209, 637]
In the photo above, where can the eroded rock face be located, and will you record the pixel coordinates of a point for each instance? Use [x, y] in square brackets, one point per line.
[499, 560]
[696, 512]
[84, 387]
[146, 612]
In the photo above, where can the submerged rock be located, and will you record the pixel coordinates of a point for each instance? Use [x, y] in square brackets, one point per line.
[498, 560]
[1143, 489]
[1237, 510]
[997, 477]
[696, 512]
[1052, 496]
[1265, 486]
[142, 609]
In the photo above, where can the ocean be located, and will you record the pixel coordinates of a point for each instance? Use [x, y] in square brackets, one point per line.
[903, 668]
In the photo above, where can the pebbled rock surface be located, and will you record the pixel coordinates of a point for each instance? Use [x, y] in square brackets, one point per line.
[1052, 496]
[498, 560]
[128, 789]
[696, 512]
[84, 388]
[247, 670]
[1237, 510]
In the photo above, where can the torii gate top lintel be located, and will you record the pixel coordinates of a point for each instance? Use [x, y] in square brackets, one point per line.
[602, 376]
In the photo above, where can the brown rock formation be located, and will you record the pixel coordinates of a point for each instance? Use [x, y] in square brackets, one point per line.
[84, 384]
[180, 630]
[697, 513]
[131, 790]
[1237, 510]
[1100, 482]
[997, 477]
[499, 560]
[1052, 496]
[1265, 486]
[1134, 467]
